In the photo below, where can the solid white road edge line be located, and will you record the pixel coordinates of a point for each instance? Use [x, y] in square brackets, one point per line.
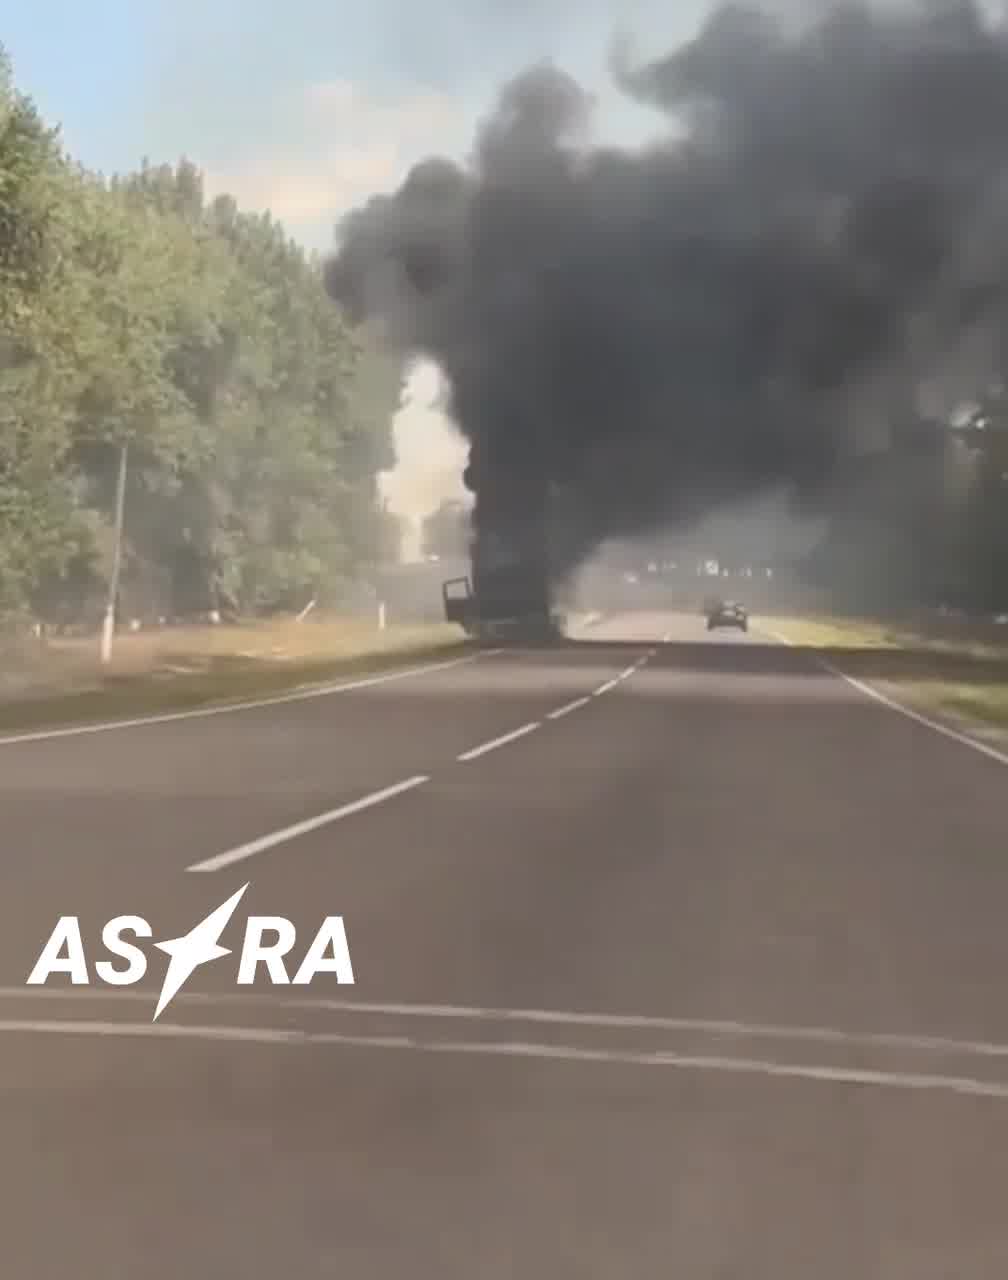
[226, 708]
[905, 1080]
[253, 847]
[946, 731]
[502, 741]
[546, 1017]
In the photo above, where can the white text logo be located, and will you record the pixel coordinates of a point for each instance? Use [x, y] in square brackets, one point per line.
[268, 939]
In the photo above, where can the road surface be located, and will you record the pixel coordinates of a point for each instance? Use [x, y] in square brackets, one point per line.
[675, 955]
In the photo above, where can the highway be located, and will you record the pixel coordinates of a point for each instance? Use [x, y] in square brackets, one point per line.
[675, 955]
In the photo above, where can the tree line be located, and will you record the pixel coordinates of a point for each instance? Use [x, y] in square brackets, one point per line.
[137, 315]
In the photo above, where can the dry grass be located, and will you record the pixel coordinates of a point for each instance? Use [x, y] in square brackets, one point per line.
[988, 704]
[63, 681]
[825, 632]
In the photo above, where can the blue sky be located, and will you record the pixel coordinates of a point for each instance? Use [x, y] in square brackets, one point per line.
[307, 106]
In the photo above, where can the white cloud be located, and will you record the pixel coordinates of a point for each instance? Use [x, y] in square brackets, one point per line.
[296, 193]
[338, 145]
[422, 115]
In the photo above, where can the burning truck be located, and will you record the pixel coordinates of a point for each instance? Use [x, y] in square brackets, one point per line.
[507, 595]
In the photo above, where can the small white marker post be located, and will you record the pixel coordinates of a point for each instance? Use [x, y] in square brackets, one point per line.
[381, 616]
[108, 622]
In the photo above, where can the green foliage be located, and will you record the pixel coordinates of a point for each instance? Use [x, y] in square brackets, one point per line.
[37, 526]
[136, 311]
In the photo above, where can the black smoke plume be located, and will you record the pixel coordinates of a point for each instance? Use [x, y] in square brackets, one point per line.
[812, 263]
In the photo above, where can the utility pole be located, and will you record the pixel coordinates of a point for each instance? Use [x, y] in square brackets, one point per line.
[108, 629]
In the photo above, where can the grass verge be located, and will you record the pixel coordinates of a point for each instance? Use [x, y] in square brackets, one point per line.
[180, 670]
[958, 671]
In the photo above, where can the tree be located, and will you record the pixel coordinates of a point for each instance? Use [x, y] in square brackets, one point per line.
[133, 312]
[39, 529]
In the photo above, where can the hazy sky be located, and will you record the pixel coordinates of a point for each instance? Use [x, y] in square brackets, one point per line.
[306, 106]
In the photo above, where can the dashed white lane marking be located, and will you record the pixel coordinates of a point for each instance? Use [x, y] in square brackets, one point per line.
[566, 711]
[502, 741]
[241, 852]
[227, 708]
[605, 688]
[834, 1036]
[964, 739]
[253, 847]
[965, 1085]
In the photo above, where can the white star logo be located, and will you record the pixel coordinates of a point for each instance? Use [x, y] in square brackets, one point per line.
[194, 948]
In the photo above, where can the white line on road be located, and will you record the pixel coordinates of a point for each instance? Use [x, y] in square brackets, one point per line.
[898, 1041]
[618, 680]
[303, 828]
[965, 1085]
[605, 688]
[226, 708]
[964, 739]
[566, 711]
[502, 741]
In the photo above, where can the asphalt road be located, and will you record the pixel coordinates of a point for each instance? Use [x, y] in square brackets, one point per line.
[704, 976]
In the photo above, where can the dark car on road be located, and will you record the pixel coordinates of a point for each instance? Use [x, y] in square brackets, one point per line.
[727, 613]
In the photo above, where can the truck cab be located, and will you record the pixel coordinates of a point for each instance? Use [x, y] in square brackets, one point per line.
[504, 609]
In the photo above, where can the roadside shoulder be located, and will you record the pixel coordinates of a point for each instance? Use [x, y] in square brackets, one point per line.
[929, 702]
